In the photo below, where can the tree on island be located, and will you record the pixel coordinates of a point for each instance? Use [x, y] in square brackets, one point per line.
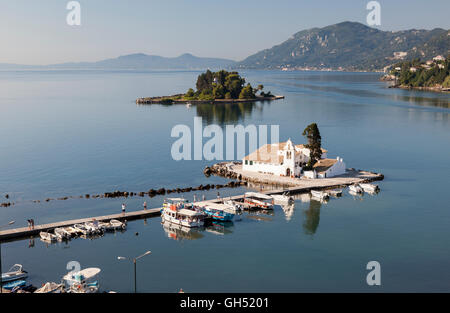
[223, 85]
[312, 133]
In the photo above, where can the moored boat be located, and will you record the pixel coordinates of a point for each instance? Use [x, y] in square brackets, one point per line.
[81, 228]
[219, 211]
[335, 192]
[46, 236]
[80, 282]
[355, 188]
[322, 195]
[282, 199]
[61, 233]
[51, 287]
[16, 272]
[258, 200]
[14, 284]
[179, 212]
[369, 187]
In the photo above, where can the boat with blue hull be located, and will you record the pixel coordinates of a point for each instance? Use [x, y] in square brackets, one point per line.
[219, 212]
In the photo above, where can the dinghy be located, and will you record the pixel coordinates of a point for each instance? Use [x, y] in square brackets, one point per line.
[335, 192]
[322, 195]
[46, 236]
[355, 188]
[283, 198]
[50, 287]
[82, 229]
[61, 233]
[16, 272]
[116, 224]
[369, 187]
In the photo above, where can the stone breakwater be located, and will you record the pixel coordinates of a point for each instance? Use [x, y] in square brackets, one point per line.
[151, 193]
[234, 170]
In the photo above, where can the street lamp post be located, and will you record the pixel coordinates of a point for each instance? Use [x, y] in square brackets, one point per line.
[1, 271]
[134, 262]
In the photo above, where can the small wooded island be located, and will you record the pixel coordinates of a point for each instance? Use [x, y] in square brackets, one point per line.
[213, 87]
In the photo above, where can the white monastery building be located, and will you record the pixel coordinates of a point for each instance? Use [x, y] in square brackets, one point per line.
[287, 159]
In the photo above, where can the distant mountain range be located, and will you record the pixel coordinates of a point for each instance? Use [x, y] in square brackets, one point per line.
[344, 46]
[350, 46]
[139, 61]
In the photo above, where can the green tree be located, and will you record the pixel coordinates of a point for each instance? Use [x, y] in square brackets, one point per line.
[190, 93]
[312, 134]
[247, 92]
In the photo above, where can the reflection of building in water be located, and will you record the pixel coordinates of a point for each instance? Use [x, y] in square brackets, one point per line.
[288, 210]
[312, 217]
[178, 232]
[220, 228]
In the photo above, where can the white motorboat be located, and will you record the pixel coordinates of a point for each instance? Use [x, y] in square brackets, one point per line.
[61, 233]
[51, 287]
[94, 227]
[15, 273]
[355, 188]
[282, 199]
[46, 236]
[116, 224]
[176, 213]
[71, 230]
[80, 282]
[258, 200]
[335, 192]
[369, 187]
[81, 228]
[322, 195]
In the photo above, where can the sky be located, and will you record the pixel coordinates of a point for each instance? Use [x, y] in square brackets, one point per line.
[36, 32]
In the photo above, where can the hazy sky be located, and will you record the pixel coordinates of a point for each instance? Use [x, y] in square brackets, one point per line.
[36, 32]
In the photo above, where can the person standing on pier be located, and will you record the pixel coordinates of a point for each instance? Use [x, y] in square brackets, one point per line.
[32, 223]
[145, 205]
[123, 208]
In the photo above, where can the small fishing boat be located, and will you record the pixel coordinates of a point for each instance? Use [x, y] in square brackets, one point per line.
[319, 194]
[16, 272]
[61, 233]
[284, 198]
[94, 227]
[369, 187]
[49, 237]
[335, 192]
[71, 231]
[355, 188]
[182, 214]
[81, 228]
[80, 282]
[14, 284]
[258, 200]
[219, 211]
[51, 287]
[116, 224]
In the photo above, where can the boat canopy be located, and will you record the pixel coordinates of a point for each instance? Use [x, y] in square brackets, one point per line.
[176, 199]
[85, 274]
[217, 206]
[258, 195]
[189, 212]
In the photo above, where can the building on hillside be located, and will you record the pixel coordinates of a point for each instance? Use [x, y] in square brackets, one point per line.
[281, 159]
[439, 58]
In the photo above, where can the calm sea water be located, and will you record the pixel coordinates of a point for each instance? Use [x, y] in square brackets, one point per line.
[68, 133]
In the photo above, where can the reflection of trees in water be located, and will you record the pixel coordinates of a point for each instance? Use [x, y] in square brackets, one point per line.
[222, 113]
[312, 217]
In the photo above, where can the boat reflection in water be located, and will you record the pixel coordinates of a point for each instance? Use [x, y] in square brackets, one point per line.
[260, 215]
[220, 228]
[178, 232]
[288, 210]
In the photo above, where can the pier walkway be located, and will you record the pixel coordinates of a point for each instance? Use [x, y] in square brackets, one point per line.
[23, 232]
[296, 186]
